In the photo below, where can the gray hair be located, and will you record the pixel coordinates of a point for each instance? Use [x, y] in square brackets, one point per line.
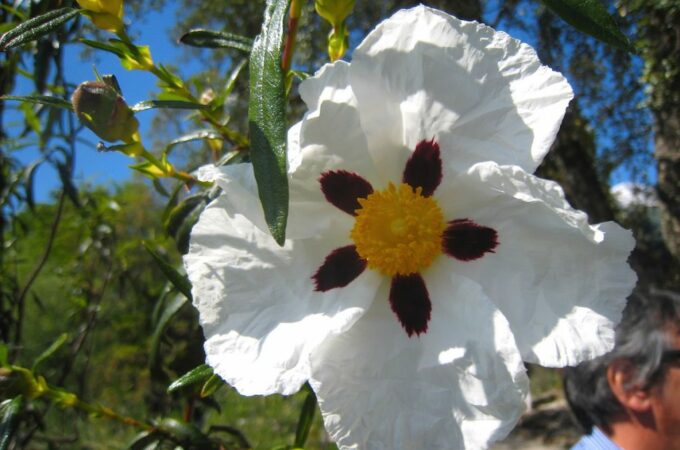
[642, 337]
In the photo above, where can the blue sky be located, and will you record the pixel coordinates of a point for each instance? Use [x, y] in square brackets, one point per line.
[93, 167]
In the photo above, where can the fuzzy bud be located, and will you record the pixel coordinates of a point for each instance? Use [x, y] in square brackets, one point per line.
[102, 109]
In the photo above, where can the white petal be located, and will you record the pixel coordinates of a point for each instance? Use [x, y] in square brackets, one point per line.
[331, 136]
[483, 95]
[561, 283]
[459, 385]
[259, 312]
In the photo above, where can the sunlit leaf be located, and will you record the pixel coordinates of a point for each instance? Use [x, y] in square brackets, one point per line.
[167, 104]
[591, 17]
[9, 410]
[143, 440]
[36, 27]
[211, 386]
[196, 375]
[216, 39]
[197, 135]
[267, 119]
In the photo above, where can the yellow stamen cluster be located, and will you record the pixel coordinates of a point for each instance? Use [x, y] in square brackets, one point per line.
[398, 231]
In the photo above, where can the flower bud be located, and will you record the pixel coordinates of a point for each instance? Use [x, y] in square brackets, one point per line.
[334, 11]
[105, 14]
[338, 43]
[101, 108]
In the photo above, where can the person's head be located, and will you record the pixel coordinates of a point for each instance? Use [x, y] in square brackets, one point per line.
[639, 380]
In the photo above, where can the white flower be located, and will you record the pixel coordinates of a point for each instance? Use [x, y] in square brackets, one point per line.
[423, 261]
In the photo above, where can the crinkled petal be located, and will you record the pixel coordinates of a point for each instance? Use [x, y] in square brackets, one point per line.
[482, 95]
[331, 136]
[260, 314]
[459, 385]
[561, 282]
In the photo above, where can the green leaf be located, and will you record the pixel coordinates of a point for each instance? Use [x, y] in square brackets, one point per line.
[116, 50]
[36, 27]
[216, 39]
[231, 82]
[198, 374]
[15, 12]
[267, 119]
[56, 345]
[168, 104]
[185, 434]
[211, 386]
[143, 440]
[306, 419]
[197, 135]
[182, 218]
[181, 282]
[46, 100]
[10, 410]
[591, 17]
[169, 311]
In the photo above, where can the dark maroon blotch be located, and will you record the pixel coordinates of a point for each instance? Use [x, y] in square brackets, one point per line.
[410, 301]
[343, 189]
[465, 240]
[339, 269]
[424, 168]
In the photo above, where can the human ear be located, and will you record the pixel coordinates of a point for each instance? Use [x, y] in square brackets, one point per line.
[633, 397]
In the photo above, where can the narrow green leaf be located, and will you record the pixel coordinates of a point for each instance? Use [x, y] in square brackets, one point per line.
[591, 17]
[182, 218]
[181, 282]
[168, 104]
[178, 214]
[216, 39]
[56, 345]
[46, 100]
[198, 374]
[185, 434]
[231, 82]
[10, 410]
[36, 27]
[143, 440]
[116, 50]
[197, 135]
[211, 386]
[15, 12]
[306, 419]
[168, 312]
[267, 119]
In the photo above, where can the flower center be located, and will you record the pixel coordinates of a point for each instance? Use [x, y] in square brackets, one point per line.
[398, 231]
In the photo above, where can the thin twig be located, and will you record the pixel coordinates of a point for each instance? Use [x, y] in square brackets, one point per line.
[21, 299]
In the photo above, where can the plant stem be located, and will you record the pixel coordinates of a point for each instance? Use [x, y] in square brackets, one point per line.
[289, 49]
